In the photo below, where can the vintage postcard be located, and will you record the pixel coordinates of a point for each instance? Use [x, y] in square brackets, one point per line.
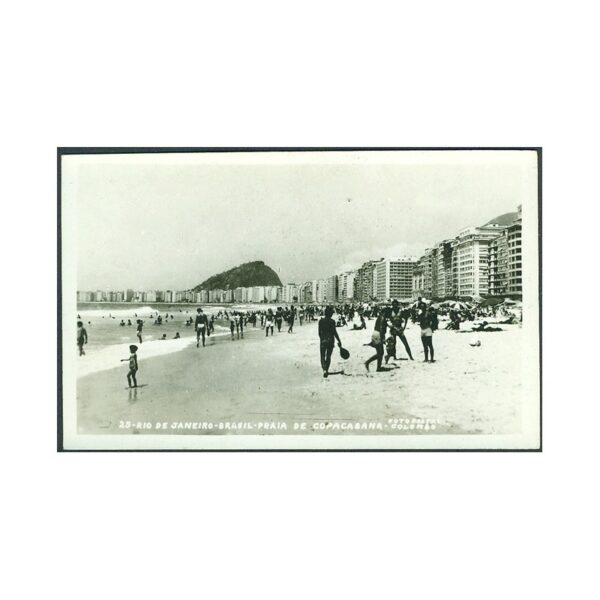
[299, 299]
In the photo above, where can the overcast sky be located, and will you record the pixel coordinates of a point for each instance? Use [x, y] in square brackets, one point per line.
[171, 221]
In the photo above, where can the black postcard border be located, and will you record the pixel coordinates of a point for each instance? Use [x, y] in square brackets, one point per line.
[66, 151]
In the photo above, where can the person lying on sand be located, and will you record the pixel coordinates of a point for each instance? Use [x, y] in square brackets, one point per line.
[484, 327]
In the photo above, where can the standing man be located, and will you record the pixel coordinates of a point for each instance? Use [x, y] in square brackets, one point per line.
[399, 321]
[201, 328]
[327, 335]
[81, 337]
[378, 340]
[428, 322]
[269, 319]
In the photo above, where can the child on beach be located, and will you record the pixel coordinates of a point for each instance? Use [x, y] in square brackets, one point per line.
[140, 325]
[133, 365]
[81, 337]
[390, 348]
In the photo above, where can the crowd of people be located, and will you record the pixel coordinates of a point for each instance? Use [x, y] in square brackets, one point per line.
[390, 324]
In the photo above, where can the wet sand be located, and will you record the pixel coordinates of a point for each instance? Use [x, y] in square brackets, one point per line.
[262, 382]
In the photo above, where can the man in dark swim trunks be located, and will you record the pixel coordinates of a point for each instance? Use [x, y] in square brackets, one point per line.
[327, 334]
[201, 327]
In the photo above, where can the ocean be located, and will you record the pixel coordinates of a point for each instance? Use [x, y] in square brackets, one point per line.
[109, 341]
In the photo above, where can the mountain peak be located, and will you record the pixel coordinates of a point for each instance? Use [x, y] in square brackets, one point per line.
[246, 275]
[505, 219]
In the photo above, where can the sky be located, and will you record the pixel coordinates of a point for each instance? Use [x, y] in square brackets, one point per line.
[169, 221]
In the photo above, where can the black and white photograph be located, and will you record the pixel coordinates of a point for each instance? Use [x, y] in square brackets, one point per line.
[290, 299]
[299, 300]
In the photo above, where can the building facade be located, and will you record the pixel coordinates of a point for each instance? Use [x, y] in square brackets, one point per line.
[393, 278]
[470, 260]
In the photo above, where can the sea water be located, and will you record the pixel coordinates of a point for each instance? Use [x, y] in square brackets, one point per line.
[109, 341]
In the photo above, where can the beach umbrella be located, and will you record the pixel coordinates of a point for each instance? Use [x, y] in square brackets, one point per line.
[491, 302]
[509, 301]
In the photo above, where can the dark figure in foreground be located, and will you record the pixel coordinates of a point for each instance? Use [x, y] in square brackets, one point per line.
[327, 335]
[81, 337]
[133, 366]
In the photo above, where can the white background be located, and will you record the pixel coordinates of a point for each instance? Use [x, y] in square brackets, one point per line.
[299, 525]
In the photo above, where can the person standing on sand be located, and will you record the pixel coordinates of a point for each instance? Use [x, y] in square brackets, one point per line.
[201, 327]
[232, 325]
[291, 321]
[82, 337]
[133, 366]
[140, 326]
[269, 319]
[378, 340]
[279, 319]
[399, 320]
[327, 336]
[428, 323]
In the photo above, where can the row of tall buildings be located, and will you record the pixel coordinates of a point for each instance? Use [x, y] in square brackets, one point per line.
[479, 261]
[246, 294]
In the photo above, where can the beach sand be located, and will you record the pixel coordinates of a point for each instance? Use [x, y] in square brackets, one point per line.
[263, 382]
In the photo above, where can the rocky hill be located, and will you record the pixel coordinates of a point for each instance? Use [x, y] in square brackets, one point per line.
[246, 275]
[505, 219]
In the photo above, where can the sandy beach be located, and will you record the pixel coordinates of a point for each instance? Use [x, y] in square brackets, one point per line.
[261, 385]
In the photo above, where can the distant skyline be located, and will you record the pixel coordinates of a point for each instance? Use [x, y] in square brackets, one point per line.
[170, 221]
